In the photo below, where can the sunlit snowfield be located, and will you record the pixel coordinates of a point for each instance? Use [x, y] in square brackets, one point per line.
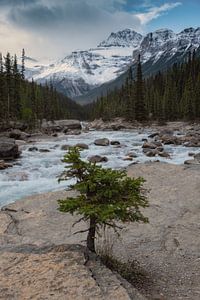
[37, 172]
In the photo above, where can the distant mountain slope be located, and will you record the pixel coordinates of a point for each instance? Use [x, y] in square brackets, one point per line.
[84, 75]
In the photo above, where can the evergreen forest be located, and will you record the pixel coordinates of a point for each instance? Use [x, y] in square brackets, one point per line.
[169, 96]
[27, 101]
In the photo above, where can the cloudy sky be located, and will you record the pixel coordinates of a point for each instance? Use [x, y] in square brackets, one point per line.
[53, 28]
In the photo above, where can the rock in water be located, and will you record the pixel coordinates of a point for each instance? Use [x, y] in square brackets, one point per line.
[61, 125]
[8, 149]
[4, 165]
[115, 143]
[98, 158]
[102, 142]
[82, 146]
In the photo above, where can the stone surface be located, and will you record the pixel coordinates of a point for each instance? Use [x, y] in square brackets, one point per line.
[102, 142]
[192, 162]
[8, 149]
[148, 145]
[39, 260]
[151, 153]
[65, 147]
[167, 248]
[18, 134]
[4, 165]
[31, 149]
[30, 272]
[164, 154]
[82, 146]
[115, 143]
[98, 159]
[61, 125]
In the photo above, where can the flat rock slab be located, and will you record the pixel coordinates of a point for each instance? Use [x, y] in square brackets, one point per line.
[60, 272]
[167, 248]
[36, 264]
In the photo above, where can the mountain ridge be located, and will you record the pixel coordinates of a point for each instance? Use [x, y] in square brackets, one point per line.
[88, 73]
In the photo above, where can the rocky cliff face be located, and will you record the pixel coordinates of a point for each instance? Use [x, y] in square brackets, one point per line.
[81, 72]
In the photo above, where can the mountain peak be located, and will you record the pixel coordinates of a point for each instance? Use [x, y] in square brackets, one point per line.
[123, 38]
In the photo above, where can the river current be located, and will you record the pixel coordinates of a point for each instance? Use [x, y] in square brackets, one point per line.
[37, 172]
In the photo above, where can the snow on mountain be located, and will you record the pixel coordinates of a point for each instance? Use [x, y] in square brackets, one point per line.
[82, 71]
[165, 42]
[125, 38]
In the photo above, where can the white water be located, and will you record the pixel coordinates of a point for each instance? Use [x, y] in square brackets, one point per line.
[37, 172]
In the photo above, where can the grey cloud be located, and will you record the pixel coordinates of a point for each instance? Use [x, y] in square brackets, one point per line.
[64, 25]
[17, 2]
[48, 13]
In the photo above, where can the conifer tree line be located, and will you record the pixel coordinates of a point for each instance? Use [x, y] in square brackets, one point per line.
[27, 101]
[169, 96]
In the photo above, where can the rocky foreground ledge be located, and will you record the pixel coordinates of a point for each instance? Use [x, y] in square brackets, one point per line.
[40, 258]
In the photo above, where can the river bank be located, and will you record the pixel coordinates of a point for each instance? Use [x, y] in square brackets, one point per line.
[167, 249]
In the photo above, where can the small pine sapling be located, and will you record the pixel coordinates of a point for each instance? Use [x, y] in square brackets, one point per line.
[105, 196]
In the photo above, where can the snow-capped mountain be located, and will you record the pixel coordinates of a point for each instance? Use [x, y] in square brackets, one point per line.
[125, 38]
[81, 73]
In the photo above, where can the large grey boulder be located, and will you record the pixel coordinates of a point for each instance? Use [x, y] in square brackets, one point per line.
[102, 142]
[69, 124]
[18, 135]
[61, 125]
[8, 149]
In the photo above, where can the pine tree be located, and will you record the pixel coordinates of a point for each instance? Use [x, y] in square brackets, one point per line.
[104, 196]
[140, 109]
[23, 64]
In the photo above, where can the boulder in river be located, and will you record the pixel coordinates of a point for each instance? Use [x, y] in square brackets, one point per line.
[132, 154]
[72, 132]
[97, 159]
[115, 143]
[18, 134]
[149, 145]
[82, 146]
[4, 165]
[152, 153]
[44, 150]
[164, 154]
[8, 149]
[61, 125]
[128, 158]
[153, 135]
[33, 149]
[102, 142]
[65, 147]
[170, 140]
